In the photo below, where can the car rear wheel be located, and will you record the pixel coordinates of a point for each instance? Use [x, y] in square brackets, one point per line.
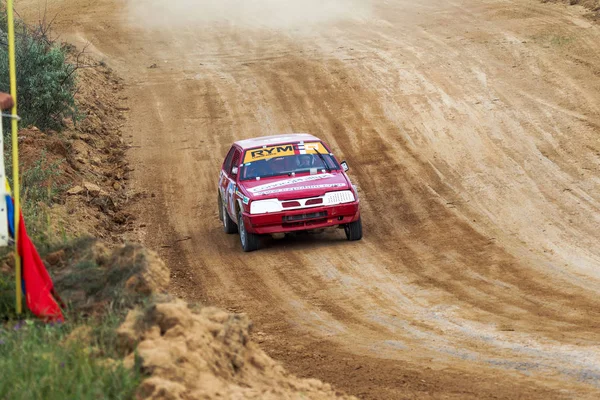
[250, 241]
[228, 224]
[354, 230]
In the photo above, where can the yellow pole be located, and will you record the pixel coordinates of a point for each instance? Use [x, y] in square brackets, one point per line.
[15, 146]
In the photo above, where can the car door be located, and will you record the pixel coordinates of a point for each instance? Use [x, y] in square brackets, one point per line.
[225, 168]
[228, 185]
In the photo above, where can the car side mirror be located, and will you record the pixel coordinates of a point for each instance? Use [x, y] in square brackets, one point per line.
[345, 166]
[234, 171]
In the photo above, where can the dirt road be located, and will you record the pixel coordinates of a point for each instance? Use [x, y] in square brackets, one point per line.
[472, 130]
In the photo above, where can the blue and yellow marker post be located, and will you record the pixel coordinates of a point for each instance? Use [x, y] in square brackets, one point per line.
[15, 148]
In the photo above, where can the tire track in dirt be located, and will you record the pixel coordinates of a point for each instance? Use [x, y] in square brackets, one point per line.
[453, 235]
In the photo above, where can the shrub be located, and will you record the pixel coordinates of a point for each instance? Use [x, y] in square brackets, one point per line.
[46, 82]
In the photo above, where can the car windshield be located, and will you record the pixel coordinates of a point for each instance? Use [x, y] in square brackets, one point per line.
[272, 165]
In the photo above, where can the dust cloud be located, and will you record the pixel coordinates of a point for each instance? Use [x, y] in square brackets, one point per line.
[268, 14]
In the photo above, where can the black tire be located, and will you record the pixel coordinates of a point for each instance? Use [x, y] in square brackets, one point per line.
[250, 241]
[354, 230]
[220, 207]
[228, 225]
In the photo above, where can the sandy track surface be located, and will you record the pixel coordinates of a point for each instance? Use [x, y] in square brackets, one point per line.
[472, 130]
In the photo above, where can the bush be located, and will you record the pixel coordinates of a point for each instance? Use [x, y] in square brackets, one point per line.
[46, 82]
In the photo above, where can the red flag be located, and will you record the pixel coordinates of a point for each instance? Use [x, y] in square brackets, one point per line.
[38, 285]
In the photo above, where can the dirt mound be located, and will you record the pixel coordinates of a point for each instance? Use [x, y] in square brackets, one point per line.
[96, 276]
[207, 353]
[187, 351]
[88, 155]
[592, 5]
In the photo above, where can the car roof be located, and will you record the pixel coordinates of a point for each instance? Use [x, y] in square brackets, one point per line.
[276, 139]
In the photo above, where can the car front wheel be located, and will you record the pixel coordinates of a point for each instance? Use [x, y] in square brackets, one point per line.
[354, 230]
[250, 241]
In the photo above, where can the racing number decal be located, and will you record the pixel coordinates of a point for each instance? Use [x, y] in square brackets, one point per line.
[312, 148]
[221, 175]
[231, 198]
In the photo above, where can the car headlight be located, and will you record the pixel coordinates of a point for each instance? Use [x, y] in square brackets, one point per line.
[265, 206]
[274, 205]
[340, 197]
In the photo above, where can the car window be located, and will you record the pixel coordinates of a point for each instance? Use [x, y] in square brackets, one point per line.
[228, 159]
[235, 160]
[288, 164]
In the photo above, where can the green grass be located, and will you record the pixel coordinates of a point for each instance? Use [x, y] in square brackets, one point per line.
[553, 40]
[561, 40]
[7, 297]
[38, 192]
[38, 363]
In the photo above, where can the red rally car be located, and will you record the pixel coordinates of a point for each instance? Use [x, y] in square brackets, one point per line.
[282, 184]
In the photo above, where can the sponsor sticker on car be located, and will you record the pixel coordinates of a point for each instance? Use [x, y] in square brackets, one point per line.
[245, 199]
[286, 182]
[267, 152]
[292, 189]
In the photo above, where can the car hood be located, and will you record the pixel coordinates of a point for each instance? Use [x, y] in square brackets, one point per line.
[286, 188]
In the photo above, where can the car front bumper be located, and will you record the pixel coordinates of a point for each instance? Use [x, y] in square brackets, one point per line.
[301, 220]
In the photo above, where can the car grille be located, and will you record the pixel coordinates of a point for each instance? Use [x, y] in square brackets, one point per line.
[302, 217]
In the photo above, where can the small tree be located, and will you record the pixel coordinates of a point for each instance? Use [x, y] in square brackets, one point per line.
[46, 82]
